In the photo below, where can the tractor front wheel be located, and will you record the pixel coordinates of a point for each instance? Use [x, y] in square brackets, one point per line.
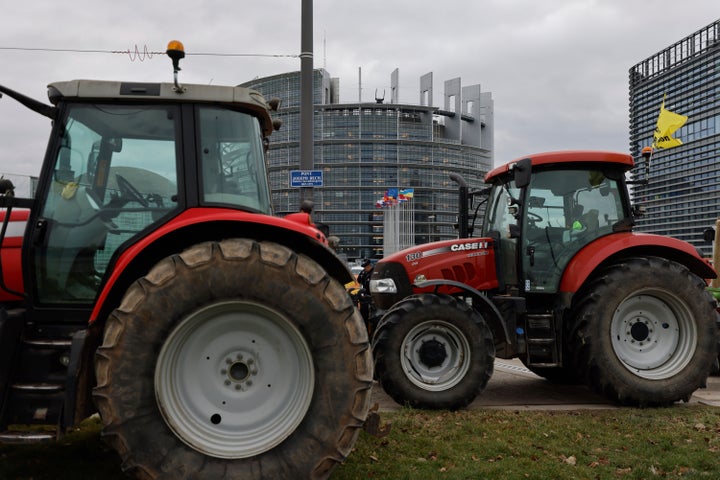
[433, 351]
[234, 359]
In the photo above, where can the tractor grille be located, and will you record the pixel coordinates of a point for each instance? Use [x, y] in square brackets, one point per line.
[464, 273]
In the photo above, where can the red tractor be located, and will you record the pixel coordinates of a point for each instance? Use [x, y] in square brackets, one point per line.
[556, 278]
[148, 281]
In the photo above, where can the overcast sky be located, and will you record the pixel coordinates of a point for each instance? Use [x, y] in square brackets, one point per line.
[557, 69]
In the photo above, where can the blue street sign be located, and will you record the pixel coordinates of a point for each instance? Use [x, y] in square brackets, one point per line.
[306, 178]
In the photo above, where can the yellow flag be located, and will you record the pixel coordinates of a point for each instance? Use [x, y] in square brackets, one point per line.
[667, 123]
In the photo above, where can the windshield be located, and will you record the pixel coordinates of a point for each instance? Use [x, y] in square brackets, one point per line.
[115, 174]
[565, 210]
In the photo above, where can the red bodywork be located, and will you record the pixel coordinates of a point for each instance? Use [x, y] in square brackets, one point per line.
[10, 253]
[468, 260]
[590, 256]
[196, 216]
[471, 261]
[12, 244]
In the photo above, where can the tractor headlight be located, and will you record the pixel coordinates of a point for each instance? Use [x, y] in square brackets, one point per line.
[383, 285]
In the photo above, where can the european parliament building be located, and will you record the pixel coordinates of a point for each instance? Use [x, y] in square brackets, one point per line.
[365, 150]
[682, 195]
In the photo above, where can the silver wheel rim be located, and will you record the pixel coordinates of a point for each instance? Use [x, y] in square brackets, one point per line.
[653, 334]
[439, 375]
[234, 379]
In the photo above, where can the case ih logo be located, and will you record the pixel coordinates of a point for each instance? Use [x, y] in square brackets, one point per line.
[457, 247]
[461, 247]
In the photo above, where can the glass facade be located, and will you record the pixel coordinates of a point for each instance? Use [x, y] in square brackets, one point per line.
[682, 195]
[364, 149]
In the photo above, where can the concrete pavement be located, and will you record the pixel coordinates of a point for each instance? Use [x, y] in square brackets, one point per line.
[513, 386]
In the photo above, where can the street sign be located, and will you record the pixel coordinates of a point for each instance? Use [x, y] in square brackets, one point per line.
[306, 178]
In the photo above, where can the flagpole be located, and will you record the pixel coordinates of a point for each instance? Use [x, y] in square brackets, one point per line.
[647, 153]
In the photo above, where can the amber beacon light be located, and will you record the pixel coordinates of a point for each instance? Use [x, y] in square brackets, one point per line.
[176, 51]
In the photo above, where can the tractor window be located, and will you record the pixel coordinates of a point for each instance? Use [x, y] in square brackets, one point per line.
[232, 160]
[565, 210]
[115, 175]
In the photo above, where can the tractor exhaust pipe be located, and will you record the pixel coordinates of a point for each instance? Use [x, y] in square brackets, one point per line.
[463, 214]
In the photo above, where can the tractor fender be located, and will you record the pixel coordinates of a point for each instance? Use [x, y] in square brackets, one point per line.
[626, 244]
[211, 224]
[496, 322]
[11, 253]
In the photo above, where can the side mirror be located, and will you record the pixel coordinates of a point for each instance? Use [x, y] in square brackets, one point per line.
[6, 187]
[522, 171]
[638, 210]
[708, 234]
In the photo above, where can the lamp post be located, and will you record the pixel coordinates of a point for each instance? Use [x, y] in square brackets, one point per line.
[307, 141]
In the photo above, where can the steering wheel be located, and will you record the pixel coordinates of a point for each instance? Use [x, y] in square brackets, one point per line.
[130, 192]
[534, 217]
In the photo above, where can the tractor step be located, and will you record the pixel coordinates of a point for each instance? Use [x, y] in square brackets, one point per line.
[26, 437]
[543, 348]
[11, 327]
[41, 382]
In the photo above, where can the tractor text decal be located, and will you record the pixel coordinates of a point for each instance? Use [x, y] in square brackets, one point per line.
[411, 257]
[456, 247]
[460, 247]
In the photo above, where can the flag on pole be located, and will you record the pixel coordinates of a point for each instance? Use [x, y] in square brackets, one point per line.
[667, 123]
[395, 196]
[407, 193]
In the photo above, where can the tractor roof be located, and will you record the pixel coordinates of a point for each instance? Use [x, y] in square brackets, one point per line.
[242, 97]
[567, 158]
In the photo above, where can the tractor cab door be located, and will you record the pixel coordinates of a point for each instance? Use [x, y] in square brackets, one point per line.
[114, 175]
[501, 224]
[564, 210]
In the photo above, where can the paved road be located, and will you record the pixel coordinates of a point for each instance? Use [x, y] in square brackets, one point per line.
[512, 386]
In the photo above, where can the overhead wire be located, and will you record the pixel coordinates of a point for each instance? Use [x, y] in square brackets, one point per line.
[142, 54]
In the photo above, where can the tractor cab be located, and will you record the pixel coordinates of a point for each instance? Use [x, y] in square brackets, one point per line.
[117, 171]
[120, 164]
[540, 221]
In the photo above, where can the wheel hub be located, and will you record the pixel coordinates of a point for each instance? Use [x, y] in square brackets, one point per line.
[640, 331]
[238, 371]
[435, 355]
[432, 353]
[653, 334]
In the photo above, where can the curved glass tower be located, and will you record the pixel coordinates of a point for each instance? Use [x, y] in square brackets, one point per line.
[370, 151]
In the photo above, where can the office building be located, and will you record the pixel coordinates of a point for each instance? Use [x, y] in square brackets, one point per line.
[682, 195]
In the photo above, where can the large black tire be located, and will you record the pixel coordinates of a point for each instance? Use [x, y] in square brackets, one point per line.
[645, 332]
[433, 351]
[234, 360]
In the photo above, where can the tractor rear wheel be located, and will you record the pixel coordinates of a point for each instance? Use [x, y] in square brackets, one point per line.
[234, 359]
[433, 351]
[645, 332]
